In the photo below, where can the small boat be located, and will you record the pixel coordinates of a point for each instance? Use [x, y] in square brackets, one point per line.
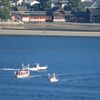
[53, 78]
[37, 67]
[22, 73]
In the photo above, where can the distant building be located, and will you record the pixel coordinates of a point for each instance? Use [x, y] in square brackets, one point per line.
[58, 17]
[95, 15]
[59, 13]
[93, 7]
[34, 17]
[91, 3]
[31, 16]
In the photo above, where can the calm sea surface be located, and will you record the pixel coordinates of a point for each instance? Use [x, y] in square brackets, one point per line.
[76, 61]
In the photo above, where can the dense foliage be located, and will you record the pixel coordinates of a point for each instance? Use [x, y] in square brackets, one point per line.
[42, 6]
[76, 5]
[5, 10]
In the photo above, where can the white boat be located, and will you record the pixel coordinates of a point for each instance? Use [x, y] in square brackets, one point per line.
[53, 78]
[22, 74]
[37, 67]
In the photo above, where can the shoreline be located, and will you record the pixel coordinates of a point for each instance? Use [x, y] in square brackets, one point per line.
[26, 32]
[51, 29]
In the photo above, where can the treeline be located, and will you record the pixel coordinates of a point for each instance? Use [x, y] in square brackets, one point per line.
[74, 5]
[4, 10]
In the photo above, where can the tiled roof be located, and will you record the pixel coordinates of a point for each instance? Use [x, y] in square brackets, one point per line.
[94, 3]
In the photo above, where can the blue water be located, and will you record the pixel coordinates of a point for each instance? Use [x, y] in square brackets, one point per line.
[76, 61]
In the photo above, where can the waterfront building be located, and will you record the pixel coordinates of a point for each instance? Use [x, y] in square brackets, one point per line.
[31, 16]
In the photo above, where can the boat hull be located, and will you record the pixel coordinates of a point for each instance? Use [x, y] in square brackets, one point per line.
[20, 76]
[38, 68]
[53, 80]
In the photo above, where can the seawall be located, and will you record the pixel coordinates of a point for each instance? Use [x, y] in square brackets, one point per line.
[49, 33]
[51, 29]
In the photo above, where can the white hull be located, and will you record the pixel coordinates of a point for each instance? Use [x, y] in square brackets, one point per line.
[22, 76]
[53, 80]
[38, 68]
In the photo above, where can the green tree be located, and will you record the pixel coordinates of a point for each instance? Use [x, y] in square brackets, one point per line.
[5, 10]
[76, 5]
[43, 6]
